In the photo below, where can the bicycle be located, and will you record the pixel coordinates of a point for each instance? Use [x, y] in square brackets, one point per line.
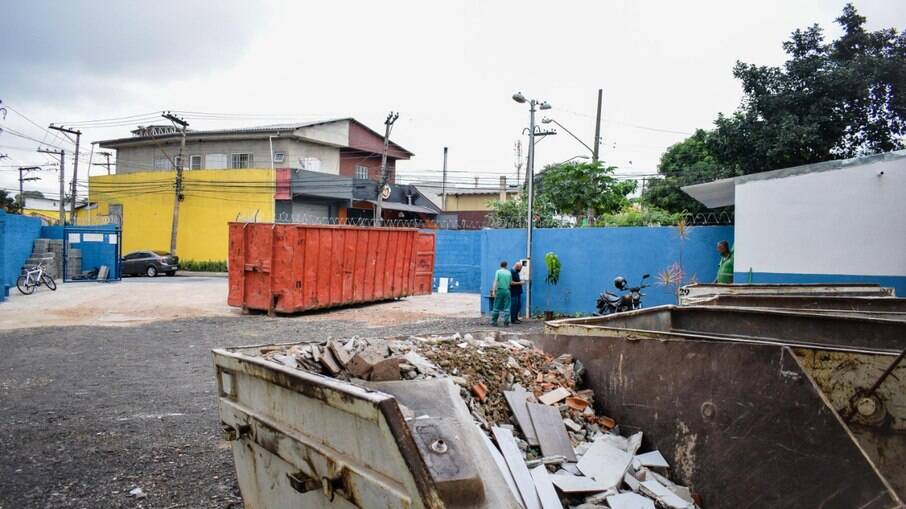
[33, 278]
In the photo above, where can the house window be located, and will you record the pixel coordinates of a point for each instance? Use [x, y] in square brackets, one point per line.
[311, 163]
[279, 157]
[241, 160]
[361, 172]
[215, 161]
[162, 163]
[195, 162]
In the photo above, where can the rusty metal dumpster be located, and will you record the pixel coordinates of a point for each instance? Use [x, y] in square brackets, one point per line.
[305, 440]
[690, 294]
[289, 268]
[763, 395]
[870, 307]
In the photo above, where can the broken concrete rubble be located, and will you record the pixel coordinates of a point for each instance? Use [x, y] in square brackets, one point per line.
[555, 445]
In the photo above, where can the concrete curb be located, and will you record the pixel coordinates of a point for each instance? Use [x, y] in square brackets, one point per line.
[192, 273]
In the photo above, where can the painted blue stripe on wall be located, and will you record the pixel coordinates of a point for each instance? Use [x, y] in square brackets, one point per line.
[898, 283]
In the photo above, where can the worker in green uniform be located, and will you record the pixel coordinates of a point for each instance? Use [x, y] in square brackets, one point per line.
[725, 265]
[500, 292]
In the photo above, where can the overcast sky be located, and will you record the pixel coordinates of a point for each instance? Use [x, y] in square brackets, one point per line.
[449, 68]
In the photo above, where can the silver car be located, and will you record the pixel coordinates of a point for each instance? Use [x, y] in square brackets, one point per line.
[149, 263]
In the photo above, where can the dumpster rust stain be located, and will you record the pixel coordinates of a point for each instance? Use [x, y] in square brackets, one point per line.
[684, 452]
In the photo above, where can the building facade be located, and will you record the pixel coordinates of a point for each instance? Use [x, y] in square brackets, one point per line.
[832, 222]
[315, 172]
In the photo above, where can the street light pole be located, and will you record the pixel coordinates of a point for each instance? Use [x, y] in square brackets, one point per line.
[530, 178]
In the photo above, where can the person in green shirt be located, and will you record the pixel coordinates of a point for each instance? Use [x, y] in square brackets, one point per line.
[725, 264]
[500, 292]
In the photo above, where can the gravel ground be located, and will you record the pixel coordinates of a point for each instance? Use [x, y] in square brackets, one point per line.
[90, 413]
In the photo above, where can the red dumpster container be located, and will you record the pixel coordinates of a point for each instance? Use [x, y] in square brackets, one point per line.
[289, 268]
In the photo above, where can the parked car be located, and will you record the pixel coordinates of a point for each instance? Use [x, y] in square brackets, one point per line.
[149, 263]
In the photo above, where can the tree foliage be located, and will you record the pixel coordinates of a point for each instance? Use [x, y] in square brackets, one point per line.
[649, 216]
[584, 189]
[20, 198]
[512, 213]
[7, 203]
[687, 162]
[829, 100]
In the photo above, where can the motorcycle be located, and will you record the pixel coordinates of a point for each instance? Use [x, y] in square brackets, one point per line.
[609, 302]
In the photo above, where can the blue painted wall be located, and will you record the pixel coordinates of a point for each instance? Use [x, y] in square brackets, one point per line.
[17, 236]
[592, 257]
[898, 283]
[458, 258]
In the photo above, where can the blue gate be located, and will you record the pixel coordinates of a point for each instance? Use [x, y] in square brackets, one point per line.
[92, 253]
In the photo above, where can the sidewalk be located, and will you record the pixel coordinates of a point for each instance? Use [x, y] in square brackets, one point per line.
[193, 273]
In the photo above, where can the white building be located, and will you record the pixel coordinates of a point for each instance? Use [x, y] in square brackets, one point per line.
[836, 221]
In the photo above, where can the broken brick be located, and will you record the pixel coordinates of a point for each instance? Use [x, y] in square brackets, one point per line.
[480, 391]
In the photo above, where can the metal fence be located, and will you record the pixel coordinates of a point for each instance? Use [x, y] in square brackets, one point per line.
[450, 221]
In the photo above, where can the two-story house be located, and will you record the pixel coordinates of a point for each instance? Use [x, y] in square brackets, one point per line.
[316, 172]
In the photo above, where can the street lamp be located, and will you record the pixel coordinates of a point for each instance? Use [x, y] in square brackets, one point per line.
[547, 120]
[530, 177]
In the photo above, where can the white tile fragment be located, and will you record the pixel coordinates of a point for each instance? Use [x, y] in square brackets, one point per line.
[577, 484]
[632, 482]
[663, 495]
[546, 492]
[516, 463]
[605, 463]
[571, 468]
[554, 396]
[629, 501]
[653, 459]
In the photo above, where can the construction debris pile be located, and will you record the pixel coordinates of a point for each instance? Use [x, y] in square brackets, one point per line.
[555, 450]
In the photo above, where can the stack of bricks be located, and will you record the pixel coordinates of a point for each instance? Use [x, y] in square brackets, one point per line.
[41, 253]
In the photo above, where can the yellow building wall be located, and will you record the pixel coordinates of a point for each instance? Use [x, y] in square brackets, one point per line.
[473, 201]
[51, 215]
[84, 215]
[212, 198]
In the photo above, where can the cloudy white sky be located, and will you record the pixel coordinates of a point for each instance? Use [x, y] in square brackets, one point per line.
[449, 68]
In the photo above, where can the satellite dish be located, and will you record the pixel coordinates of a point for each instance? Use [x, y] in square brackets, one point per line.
[385, 191]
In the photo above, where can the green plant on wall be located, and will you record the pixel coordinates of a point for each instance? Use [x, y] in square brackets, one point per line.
[553, 268]
[552, 262]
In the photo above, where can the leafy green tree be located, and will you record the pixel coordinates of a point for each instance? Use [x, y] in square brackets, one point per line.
[7, 203]
[20, 198]
[687, 162]
[586, 189]
[649, 216]
[512, 213]
[829, 100]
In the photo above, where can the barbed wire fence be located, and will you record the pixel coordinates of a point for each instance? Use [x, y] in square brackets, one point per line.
[492, 221]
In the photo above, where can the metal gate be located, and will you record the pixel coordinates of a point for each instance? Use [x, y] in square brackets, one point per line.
[91, 253]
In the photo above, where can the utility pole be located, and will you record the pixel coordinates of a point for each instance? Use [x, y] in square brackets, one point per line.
[22, 179]
[180, 161]
[594, 156]
[106, 163]
[443, 185]
[534, 105]
[62, 154]
[75, 169]
[379, 209]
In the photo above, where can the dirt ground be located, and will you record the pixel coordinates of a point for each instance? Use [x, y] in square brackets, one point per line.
[136, 301]
[90, 412]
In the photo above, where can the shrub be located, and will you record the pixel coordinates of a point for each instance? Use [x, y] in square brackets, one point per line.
[203, 265]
